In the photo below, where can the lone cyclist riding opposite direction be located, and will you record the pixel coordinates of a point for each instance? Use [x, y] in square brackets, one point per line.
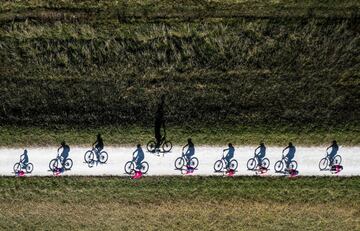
[159, 122]
[290, 155]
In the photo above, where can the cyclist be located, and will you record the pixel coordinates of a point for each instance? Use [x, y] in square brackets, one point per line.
[139, 157]
[260, 153]
[334, 149]
[229, 155]
[159, 122]
[99, 145]
[290, 155]
[65, 152]
[24, 158]
[190, 151]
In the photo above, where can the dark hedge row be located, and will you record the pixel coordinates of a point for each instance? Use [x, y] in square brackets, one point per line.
[244, 71]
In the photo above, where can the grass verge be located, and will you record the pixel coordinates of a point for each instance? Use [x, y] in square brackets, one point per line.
[180, 203]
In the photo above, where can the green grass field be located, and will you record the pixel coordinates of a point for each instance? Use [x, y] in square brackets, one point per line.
[180, 203]
[291, 67]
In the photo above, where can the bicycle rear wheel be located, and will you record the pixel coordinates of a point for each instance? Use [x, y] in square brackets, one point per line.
[233, 165]
[265, 163]
[293, 165]
[323, 164]
[29, 168]
[194, 162]
[337, 159]
[88, 156]
[151, 145]
[68, 164]
[251, 164]
[218, 166]
[144, 167]
[103, 157]
[167, 146]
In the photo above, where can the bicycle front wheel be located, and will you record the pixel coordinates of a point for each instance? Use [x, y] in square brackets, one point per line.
[103, 157]
[17, 167]
[251, 164]
[323, 164]
[167, 146]
[53, 164]
[218, 166]
[129, 167]
[151, 145]
[179, 163]
[279, 165]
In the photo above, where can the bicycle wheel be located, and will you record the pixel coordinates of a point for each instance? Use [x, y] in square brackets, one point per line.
[144, 167]
[337, 159]
[151, 145]
[279, 165]
[233, 165]
[68, 164]
[323, 164]
[293, 165]
[29, 168]
[218, 166]
[251, 164]
[88, 156]
[129, 167]
[53, 164]
[167, 146]
[194, 162]
[103, 157]
[265, 163]
[179, 163]
[17, 167]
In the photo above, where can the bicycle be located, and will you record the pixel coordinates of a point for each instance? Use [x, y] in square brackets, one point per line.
[253, 162]
[324, 163]
[180, 162]
[29, 167]
[279, 165]
[90, 155]
[54, 163]
[220, 165]
[130, 167]
[165, 144]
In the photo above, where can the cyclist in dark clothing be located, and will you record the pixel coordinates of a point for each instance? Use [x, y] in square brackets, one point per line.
[139, 156]
[159, 122]
[334, 149]
[65, 152]
[99, 145]
[190, 151]
[260, 153]
[24, 158]
[290, 155]
[229, 155]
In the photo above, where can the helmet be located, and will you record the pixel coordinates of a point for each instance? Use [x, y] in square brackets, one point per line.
[334, 142]
[63, 143]
[189, 140]
[138, 145]
[230, 144]
[290, 144]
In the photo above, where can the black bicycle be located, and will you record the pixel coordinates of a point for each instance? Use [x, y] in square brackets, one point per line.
[253, 162]
[280, 164]
[324, 163]
[165, 145]
[56, 162]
